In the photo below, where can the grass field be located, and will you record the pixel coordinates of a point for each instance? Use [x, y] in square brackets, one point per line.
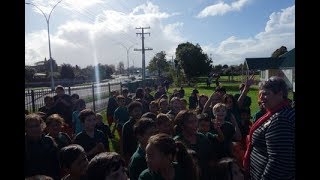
[232, 88]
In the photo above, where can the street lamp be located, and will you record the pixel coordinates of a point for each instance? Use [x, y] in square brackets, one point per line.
[127, 54]
[48, 21]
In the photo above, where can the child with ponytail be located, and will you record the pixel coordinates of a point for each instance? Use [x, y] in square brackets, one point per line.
[161, 153]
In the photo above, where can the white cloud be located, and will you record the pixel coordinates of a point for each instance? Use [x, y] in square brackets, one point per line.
[221, 8]
[75, 41]
[279, 31]
[79, 5]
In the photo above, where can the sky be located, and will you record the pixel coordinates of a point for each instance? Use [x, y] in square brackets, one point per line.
[87, 32]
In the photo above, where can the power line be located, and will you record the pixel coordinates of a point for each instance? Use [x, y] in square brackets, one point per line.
[91, 16]
[143, 51]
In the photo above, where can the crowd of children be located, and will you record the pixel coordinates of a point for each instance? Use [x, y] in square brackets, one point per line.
[160, 137]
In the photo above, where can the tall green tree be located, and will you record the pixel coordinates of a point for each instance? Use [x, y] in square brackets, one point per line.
[109, 71]
[66, 72]
[192, 60]
[77, 71]
[159, 63]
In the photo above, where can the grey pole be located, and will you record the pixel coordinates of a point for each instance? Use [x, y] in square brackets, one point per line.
[48, 29]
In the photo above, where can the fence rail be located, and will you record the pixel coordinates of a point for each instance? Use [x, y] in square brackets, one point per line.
[96, 95]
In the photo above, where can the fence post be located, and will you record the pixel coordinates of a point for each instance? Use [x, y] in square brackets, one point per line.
[93, 102]
[69, 89]
[120, 87]
[32, 100]
[109, 88]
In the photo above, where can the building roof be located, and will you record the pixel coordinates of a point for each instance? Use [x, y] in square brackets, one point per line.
[286, 60]
[290, 59]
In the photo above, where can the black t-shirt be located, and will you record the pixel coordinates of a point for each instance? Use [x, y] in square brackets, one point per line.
[62, 109]
[193, 102]
[112, 106]
[88, 143]
[62, 140]
[105, 129]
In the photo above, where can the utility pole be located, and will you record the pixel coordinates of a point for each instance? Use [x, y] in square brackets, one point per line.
[143, 51]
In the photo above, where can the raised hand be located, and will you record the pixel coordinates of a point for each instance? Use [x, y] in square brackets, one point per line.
[249, 81]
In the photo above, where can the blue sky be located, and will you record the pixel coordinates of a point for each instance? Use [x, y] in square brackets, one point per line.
[85, 32]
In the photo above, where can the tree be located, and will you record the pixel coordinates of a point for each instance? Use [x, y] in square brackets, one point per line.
[192, 60]
[66, 72]
[29, 73]
[113, 67]
[217, 69]
[47, 65]
[109, 71]
[77, 71]
[225, 66]
[88, 73]
[279, 52]
[121, 67]
[159, 63]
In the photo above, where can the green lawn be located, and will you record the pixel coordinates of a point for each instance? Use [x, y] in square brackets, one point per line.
[232, 88]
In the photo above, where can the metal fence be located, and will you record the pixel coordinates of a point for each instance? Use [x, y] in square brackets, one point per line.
[95, 95]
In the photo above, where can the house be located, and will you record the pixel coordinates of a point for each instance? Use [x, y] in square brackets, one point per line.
[282, 66]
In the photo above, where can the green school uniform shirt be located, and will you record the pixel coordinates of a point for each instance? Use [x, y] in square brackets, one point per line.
[137, 164]
[179, 174]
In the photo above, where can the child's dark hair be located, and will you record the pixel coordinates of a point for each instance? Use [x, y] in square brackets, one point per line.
[75, 96]
[162, 118]
[139, 93]
[125, 91]
[80, 103]
[203, 117]
[46, 98]
[142, 125]
[180, 119]
[133, 105]
[69, 154]
[103, 164]
[149, 115]
[223, 169]
[154, 103]
[165, 144]
[161, 100]
[85, 113]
